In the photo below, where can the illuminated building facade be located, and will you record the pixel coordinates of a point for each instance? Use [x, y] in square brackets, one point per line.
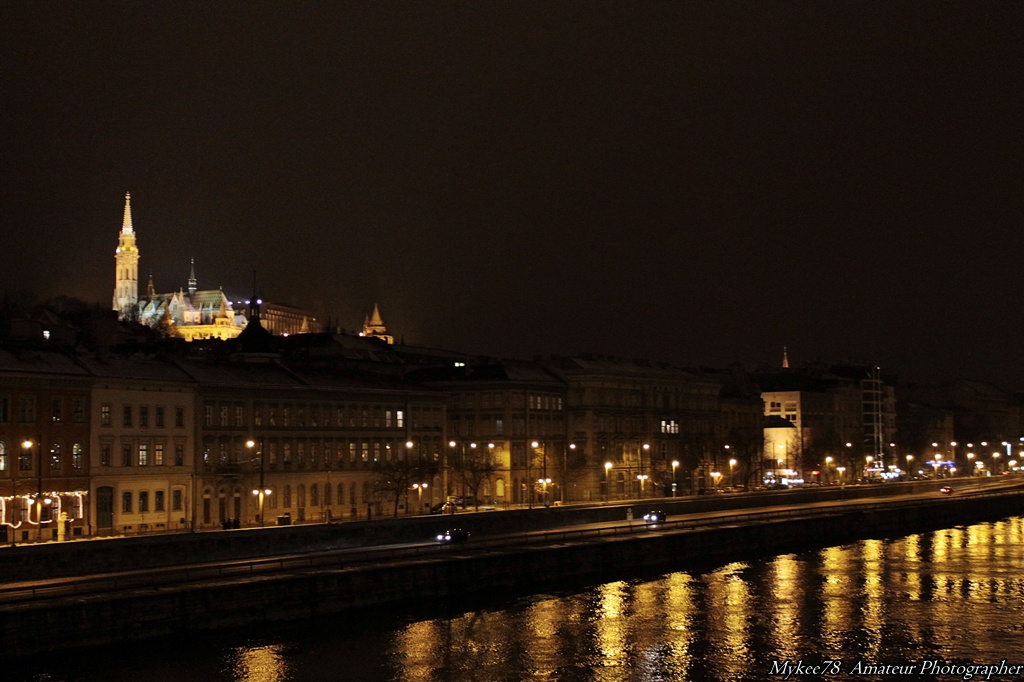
[44, 446]
[142, 436]
[506, 429]
[314, 438]
[631, 419]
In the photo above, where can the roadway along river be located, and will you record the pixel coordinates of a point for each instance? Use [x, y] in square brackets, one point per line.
[952, 597]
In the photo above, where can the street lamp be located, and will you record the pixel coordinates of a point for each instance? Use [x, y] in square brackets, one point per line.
[420, 487]
[841, 470]
[27, 445]
[732, 467]
[828, 465]
[675, 465]
[529, 462]
[643, 479]
[715, 475]
[910, 458]
[261, 492]
[970, 470]
[565, 470]
[607, 480]
[544, 482]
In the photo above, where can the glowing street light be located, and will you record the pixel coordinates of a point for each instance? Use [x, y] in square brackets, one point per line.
[715, 475]
[419, 488]
[732, 469]
[643, 479]
[607, 480]
[675, 465]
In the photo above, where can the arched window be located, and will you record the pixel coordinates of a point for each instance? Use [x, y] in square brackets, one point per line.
[302, 496]
[499, 488]
[341, 493]
[327, 495]
[272, 498]
[620, 483]
[314, 495]
[286, 500]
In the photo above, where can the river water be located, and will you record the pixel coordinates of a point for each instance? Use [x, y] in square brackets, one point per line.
[951, 598]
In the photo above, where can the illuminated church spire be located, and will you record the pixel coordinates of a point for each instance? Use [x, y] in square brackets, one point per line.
[192, 278]
[785, 358]
[373, 326]
[126, 258]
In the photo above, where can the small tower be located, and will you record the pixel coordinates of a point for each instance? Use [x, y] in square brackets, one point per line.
[126, 258]
[373, 327]
[192, 278]
[785, 358]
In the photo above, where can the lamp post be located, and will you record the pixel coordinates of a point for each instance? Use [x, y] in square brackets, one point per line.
[645, 449]
[842, 471]
[565, 470]
[828, 466]
[675, 465]
[27, 445]
[867, 465]
[732, 472]
[529, 460]
[607, 481]
[970, 469]
[910, 458]
[643, 479]
[262, 491]
[419, 488]
[544, 483]
[715, 476]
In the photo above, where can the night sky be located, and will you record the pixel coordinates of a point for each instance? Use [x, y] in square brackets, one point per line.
[693, 182]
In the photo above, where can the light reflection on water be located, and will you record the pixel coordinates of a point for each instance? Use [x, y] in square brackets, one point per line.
[955, 594]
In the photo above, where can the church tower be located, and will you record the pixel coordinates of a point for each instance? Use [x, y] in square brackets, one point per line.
[126, 257]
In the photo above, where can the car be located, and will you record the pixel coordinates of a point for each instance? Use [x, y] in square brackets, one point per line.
[946, 490]
[656, 516]
[453, 535]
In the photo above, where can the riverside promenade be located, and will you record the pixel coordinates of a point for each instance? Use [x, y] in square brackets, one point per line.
[110, 591]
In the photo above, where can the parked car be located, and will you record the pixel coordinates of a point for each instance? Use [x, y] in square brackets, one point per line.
[655, 517]
[453, 535]
[946, 490]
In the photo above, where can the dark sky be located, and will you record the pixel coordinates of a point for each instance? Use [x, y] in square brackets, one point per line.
[694, 182]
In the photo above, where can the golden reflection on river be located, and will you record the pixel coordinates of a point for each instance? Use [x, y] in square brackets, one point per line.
[956, 594]
[259, 664]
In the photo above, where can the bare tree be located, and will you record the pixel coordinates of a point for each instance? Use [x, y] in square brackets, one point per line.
[474, 470]
[395, 477]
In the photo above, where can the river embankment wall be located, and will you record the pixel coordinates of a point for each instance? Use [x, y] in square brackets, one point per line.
[110, 554]
[452, 572]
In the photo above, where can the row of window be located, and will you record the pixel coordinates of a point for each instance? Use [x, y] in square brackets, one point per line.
[128, 414]
[315, 453]
[159, 500]
[54, 457]
[315, 415]
[27, 409]
[142, 454]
